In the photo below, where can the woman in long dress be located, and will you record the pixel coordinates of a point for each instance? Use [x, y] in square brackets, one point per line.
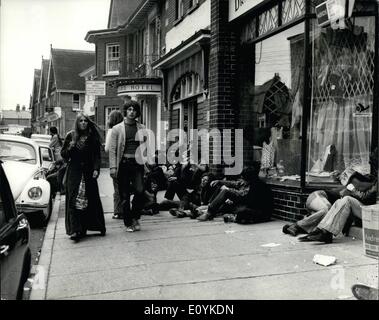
[81, 149]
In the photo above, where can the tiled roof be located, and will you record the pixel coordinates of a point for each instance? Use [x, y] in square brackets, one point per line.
[68, 64]
[13, 114]
[120, 11]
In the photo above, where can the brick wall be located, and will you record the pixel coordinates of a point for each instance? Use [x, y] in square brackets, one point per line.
[289, 204]
[222, 74]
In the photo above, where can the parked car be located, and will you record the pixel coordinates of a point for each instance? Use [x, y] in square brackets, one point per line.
[41, 139]
[15, 256]
[26, 164]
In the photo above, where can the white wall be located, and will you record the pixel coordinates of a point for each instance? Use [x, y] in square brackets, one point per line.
[198, 19]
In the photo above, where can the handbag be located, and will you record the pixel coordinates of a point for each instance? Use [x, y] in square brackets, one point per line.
[81, 202]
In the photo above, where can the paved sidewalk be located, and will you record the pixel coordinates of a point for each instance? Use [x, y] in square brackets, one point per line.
[173, 258]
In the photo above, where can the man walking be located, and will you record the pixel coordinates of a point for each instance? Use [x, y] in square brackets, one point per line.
[124, 165]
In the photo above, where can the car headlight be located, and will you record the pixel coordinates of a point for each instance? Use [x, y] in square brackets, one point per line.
[35, 193]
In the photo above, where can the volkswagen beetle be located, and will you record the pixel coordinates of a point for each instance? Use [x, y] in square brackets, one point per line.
[25, 165]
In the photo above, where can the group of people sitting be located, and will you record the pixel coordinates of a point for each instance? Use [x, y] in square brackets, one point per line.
[249, 200]
[200, 195]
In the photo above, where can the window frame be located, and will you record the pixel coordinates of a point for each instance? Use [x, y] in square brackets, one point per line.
[108, 59]
[74, 103]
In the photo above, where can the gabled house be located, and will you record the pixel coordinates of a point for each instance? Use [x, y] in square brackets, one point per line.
[39, 97]
[34, 100]
[61, 92]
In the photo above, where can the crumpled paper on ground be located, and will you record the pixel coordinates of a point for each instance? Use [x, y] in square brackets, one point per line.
[271, 245]
[324, 260]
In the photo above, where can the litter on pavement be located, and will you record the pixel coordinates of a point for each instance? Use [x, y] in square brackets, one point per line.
[271, 245]
[324, 260]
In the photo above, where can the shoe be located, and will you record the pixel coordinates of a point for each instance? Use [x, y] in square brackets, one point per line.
[362, 292]
[229, 218]
[136, 225]
[75, 236]
[321, 236]
[148, 212]
[181, 213]
[205, 217]
[291, 229]
[173, 212]
[130, 229]
[117, 216]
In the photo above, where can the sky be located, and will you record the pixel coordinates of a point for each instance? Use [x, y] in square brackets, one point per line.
[28, 27]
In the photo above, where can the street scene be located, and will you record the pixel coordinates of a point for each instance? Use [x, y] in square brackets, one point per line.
[190, 150]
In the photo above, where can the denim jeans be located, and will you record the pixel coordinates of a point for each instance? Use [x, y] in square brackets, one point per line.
[117, 204]
[335, 219]
[130, 179]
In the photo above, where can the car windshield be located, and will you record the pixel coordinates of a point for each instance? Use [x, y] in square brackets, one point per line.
[19, 151]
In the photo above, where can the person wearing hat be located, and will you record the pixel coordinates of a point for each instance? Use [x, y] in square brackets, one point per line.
[125, 165]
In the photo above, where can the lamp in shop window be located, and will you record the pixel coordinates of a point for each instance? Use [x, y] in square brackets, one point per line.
[339, 11]
[334, 12]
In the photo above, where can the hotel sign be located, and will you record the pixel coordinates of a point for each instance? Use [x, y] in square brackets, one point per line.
[95, 88]
[239, 7]
[139, 88]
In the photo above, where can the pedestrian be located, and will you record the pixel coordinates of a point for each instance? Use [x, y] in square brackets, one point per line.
[55, 175]
[55, 143]
[115, 117]
[125, 165]
[81, 149]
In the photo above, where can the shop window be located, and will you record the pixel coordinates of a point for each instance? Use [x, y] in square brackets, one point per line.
[274, 106]
[75, 102]
[340, 123]
[113, 57]
[187, 86]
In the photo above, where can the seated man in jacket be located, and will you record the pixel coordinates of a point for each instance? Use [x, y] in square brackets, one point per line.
[257, 206]
[360, 190]
[229, 192]
[197, 199]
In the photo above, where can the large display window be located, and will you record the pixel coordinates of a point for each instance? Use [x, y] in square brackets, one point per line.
[311, 104]
[277, 103]
[340, 124]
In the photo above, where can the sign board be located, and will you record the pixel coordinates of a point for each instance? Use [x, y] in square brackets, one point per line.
[95, 88]
[322, 14]
[332, 10]
[52, 117]
[139, 88]
[239, 7]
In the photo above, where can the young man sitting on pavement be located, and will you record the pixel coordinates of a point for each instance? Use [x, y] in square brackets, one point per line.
[151, 206]
[360, 190]
[257, 206]
[186, 177]
[195, 200]
[229, 192]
